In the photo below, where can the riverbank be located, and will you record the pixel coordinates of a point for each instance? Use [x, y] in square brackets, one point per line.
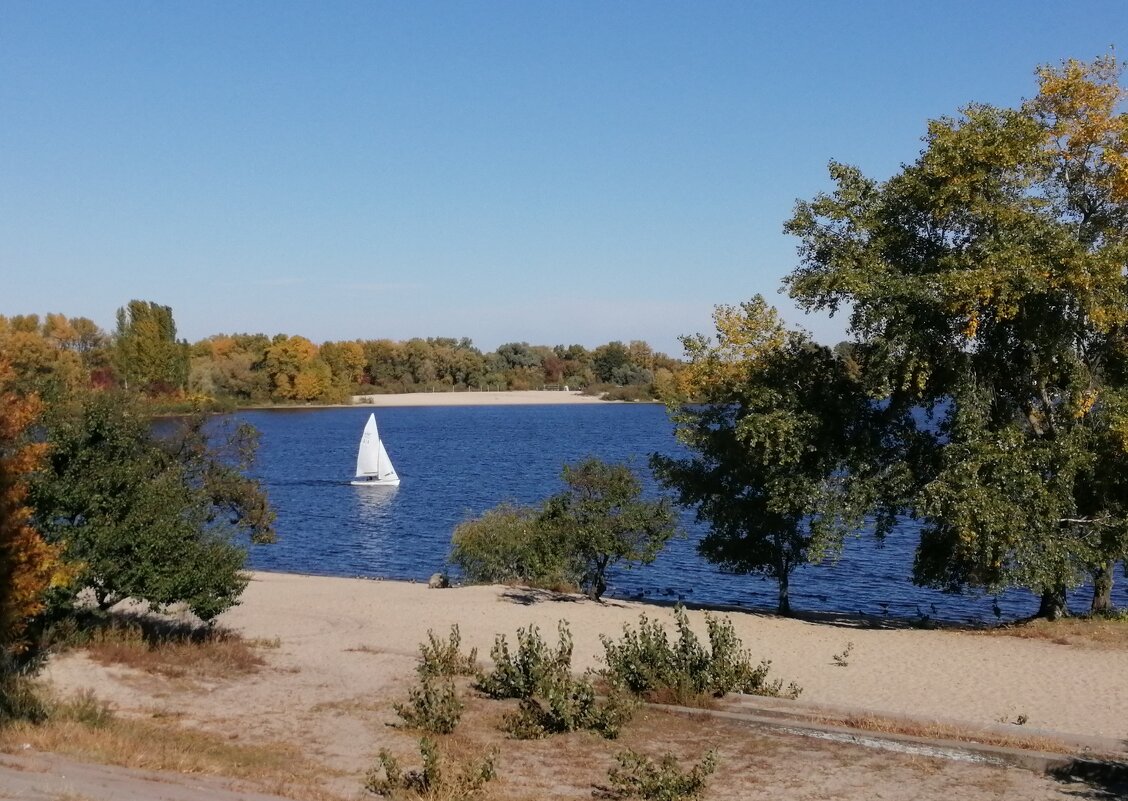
[509, 398]
[338, 653]
[325, 624]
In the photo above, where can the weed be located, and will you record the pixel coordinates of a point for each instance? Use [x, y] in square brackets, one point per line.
[520, 675]
[437, 780]
[21, 700]
[565, 703]
[842, 659]
[84, 708]
[432, 706]
[438, 658]
[685, 672]
[638, 776]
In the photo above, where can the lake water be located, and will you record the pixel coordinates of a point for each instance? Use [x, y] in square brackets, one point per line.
[456, 462]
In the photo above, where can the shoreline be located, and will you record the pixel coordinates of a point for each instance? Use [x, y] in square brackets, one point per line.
[936, 674]
[531, 397]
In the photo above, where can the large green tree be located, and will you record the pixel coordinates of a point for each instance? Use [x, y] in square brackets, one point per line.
[147, 515]
[147, 354]
[986, 283]
[772, 421]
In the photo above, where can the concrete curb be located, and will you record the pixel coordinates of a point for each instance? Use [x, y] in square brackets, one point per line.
[1060, 765]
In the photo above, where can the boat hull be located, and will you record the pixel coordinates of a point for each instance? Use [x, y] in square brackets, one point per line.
[382, 482]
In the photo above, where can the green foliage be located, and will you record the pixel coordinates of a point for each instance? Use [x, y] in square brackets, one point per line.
[602, 520]
[521, 675]
[437, 780]
[509, 545]
[774, 423]
[985, 284]
[438, 658]
[564, 703]
[146, 352]
[645, 662]
[21, 699]
[638, 776]
[552, 699]
[573, 539]
[433, 706]
[144, 516]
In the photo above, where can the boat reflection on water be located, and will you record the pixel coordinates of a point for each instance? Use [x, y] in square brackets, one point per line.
[375, 502]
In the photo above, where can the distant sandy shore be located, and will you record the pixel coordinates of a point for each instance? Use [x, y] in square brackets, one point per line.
[516, 398]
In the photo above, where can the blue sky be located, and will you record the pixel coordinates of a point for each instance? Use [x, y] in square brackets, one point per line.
[553, 172]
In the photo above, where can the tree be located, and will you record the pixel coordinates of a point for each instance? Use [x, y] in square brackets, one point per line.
[774, 420]
[602, 520]
[573, 538]
[146, 352]
[144, 516]
[986, 285]
[28, 565]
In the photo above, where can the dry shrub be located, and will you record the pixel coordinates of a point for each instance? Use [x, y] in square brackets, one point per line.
[170, 649]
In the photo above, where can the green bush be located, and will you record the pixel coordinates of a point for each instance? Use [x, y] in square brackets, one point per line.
[565, 703]
[432, 706]
[509, 545]
[521, 675]
[437, 780]
[639, 777]
[685, 672]
[438, 658]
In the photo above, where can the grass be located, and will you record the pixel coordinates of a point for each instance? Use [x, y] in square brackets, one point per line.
[1094, 632]
[84, 728]
[165, 648]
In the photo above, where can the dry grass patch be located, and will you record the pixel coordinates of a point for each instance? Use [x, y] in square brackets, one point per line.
[175, 651]
[132, 743]
[1094, 632]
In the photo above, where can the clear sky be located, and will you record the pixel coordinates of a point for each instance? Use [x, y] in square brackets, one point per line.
[555, 171]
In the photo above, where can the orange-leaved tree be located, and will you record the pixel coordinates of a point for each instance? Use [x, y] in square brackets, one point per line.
[28, 565]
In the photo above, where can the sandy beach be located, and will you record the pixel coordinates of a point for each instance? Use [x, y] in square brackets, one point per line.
[514, 398]
[344, 650]
[356, 636]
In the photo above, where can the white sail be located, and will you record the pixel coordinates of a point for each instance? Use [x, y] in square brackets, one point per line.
[372, 463]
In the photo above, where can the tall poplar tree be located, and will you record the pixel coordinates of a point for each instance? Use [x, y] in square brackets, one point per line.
[147, 354]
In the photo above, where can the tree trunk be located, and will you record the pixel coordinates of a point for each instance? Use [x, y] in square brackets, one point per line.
[1102, 590]
[784, 607]
[1053, 605]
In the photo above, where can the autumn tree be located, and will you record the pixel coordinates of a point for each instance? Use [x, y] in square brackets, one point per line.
[147, 353]
[28, 565]
[986, 285]
[772, 421]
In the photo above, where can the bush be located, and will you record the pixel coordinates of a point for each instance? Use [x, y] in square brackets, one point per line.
[438, 779]
[432, 706]
[646, 663]
[565, 703]
[522, 675]
[438, 658]
[639, 777]
[509, 545]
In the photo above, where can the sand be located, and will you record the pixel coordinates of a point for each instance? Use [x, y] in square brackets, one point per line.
[359, 636]
[514, 398]
[347, 648]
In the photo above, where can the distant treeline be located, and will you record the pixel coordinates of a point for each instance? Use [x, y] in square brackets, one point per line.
[144, 354]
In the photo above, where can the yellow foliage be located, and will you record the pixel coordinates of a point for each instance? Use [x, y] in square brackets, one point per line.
[28, 565]
[744, 335]
[1083, 404]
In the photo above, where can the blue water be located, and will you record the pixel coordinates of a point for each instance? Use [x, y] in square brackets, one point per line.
[456, 462]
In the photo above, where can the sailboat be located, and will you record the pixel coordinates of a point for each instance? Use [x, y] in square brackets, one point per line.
[373, 467]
